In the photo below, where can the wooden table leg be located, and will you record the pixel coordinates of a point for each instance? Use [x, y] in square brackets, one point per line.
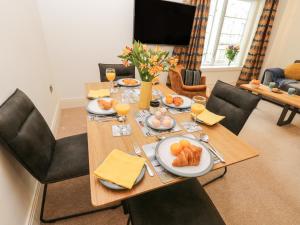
[285, 110]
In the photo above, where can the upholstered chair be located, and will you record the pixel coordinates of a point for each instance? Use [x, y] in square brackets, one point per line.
[233, 103]
[121, 71]
[184, 203]
[179, 87]
[26, 135]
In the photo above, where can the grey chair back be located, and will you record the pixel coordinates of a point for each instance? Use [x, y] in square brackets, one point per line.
[233, 103]
[121, 71]
[26, 134]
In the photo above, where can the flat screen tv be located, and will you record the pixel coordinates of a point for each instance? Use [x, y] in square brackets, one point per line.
[163, 22]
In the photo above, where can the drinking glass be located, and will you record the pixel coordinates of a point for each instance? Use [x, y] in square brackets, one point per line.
[123, 110]
[111, 75]
[196, 109]
[199, 99]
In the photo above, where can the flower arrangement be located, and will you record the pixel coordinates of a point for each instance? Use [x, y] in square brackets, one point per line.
[149, 62]
[231, 52]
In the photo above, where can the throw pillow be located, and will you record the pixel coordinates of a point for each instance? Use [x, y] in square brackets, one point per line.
[191, 77]
[292, 71]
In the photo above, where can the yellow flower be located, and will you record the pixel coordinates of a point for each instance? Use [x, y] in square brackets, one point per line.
[153, 58]
[127, 50]
[157, 49]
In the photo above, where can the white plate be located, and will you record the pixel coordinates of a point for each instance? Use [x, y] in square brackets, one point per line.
[161, 128]
[187, 102]
[121, 82]
[165, 158]
[93, 107]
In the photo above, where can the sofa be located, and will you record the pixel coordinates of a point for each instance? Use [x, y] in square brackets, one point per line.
[284, 78]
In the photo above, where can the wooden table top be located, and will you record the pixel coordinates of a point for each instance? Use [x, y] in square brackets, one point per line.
[101, 143]
[284, 97]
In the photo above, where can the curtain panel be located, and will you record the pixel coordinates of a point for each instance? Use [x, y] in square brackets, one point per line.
[256, 54]
[190, 56]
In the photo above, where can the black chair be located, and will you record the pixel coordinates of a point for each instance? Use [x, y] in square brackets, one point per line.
[25, 133]
[121, 71]
[233, 103]
[185, 203]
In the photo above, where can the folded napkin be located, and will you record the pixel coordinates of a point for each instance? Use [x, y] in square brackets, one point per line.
[120, 168]
[100, 93]
[209, 118]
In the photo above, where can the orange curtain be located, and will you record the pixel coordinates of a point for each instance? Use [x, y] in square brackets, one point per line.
[190, 56]
[256, 54]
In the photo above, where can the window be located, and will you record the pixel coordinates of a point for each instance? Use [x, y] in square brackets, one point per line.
[230, 22]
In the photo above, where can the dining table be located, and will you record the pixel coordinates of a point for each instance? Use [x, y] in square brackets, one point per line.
[101, 142]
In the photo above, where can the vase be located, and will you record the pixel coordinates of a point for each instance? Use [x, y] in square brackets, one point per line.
[146, 95]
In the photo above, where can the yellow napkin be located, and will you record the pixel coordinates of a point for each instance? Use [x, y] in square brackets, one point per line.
[99, 93]
[120, 168]
[209, 118]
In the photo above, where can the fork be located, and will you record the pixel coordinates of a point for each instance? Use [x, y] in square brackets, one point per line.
[138, 152]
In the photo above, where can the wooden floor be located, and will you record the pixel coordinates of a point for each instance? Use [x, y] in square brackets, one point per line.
[260, 191]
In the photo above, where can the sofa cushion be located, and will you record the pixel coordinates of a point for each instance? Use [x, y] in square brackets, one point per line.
[292, 71]
[294, 85]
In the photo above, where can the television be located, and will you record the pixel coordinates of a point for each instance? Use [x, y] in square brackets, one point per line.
[163, 22]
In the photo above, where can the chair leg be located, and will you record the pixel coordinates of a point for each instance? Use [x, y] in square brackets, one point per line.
[216, 178]
[128, 220]
[125, 207]
[67, 216]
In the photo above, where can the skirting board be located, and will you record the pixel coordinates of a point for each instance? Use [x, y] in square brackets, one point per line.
[34, 213]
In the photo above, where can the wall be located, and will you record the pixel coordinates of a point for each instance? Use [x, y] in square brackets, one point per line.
[284, 46]
[24, 65]
[80, 34]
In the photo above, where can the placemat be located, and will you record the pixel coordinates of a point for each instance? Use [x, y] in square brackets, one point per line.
[178, 111]
[164, 175]
[147, 131]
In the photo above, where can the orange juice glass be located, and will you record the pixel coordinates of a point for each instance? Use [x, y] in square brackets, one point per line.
[197, 108]
[111, 75]
[123, 110]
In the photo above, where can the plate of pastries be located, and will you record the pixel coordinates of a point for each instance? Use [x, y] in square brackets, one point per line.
[177, 101]
[129, 82]
[184, 156]
[102, 106]
[160, 120]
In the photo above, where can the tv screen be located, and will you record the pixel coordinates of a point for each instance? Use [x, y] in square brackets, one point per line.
[163, 22]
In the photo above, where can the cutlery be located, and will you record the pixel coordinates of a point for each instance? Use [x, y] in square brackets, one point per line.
[138, 152]
[160, 137]
[204, 138]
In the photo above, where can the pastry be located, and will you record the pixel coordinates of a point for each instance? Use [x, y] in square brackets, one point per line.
[128, 81]
[106, 105]
[177, 101]
[186, 154]
[169, 99]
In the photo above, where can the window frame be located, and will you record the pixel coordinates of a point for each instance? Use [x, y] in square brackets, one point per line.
[249, 29]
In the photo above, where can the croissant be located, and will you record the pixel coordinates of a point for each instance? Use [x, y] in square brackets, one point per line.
[188, 156]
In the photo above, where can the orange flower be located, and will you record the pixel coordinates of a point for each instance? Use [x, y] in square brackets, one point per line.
[145, 47]
[125, 63]
[143, 66]
[155, 69]
[127, 50]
